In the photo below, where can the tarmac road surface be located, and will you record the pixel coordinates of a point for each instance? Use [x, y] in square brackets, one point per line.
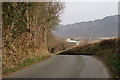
[64, 66]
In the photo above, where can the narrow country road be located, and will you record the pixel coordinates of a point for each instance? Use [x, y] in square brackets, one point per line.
[64, 66]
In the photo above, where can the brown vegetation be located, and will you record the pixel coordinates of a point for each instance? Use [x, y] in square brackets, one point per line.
[55, 44]
[106, 50]
[24, 32]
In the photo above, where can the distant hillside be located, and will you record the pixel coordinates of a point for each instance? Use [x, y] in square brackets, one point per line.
[106, 27]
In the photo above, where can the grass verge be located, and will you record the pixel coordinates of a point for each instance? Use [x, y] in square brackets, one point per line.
[24, 63]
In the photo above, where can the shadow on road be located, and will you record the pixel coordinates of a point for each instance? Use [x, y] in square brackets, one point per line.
[74, 54]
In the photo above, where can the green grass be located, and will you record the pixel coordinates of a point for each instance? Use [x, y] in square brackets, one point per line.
[29, 61]
[26, 62]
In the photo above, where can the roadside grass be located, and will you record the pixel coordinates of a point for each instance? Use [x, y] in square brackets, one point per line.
[30, 61]
[24, 63]
[106, 50]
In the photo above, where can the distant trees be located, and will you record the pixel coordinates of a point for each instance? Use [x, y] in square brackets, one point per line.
[24, 28]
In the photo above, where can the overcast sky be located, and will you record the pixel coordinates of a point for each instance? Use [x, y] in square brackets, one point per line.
[88, 11]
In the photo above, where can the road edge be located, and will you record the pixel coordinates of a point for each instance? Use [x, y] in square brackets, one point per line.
[108, 70]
